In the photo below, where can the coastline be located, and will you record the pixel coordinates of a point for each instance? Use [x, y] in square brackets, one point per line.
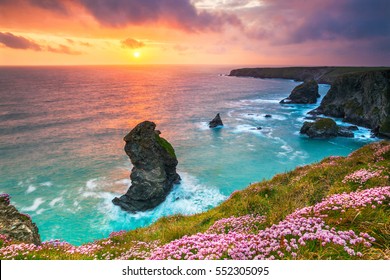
[322, 74]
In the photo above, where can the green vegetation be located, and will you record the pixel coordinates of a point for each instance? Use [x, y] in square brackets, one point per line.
[325, 124]
[274, 199]
[166, 145]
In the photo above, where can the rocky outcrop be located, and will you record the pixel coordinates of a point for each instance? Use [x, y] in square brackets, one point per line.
[154, 171]
[305, 93]
[16, 226]
[217, 121]
[362, 99]
[325, 128]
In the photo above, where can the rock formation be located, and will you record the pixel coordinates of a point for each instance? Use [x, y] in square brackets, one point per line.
[360, 98]
[154, 171]
[305, 93]
[325, 128]
[216, 121]
[15, 225]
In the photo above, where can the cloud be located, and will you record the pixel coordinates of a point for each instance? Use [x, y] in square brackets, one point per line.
[12, 41]
[179, 14]
[53, 5]
[298, 21]
[132, 44]
[62, 49]
[18, 42]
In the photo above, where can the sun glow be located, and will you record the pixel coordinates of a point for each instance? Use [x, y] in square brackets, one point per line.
[136, 54]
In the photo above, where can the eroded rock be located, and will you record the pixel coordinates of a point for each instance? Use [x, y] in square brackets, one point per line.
[154, 171]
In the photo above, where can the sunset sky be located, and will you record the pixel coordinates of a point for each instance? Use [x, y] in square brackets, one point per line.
[261, 32]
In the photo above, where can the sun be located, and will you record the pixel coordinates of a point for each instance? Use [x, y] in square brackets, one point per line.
[136, 54]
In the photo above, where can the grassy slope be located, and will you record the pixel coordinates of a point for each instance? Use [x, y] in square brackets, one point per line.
[275, 199]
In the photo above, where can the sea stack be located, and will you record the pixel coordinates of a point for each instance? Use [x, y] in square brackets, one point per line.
[216, 122]
[154, 168]
[16, 226]
[305, 93]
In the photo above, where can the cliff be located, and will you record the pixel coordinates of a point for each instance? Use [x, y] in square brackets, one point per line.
[334, 209]
[323, 75]
[154, 171]
[360, 98]
[16, 226]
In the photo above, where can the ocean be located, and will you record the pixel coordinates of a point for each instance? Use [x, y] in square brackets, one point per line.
[61, 140]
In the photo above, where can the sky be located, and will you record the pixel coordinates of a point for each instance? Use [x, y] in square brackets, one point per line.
[235, 32]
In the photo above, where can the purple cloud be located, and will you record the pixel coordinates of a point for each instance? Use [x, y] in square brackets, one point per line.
[18, 42]
[12, 41]
[181, 14]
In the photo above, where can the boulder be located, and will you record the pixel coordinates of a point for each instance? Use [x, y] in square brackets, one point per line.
[154, 169]
[216, 121]
[305, 93]
[17, 226]
[324, 128]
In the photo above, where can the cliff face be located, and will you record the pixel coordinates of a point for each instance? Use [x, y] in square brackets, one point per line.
[360, 98]
[154, 171]
[15, 225]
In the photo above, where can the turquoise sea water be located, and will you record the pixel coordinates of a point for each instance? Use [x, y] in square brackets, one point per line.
[61, 147]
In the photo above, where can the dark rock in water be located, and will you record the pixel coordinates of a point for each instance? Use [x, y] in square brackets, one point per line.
[325, 128]
[267, 116]
[154, 171]
[352, 127]
[15, 225]
[305, 93]
[361, 98]
[216, 121]
[312, 118]
[345, 132]
[259, 128]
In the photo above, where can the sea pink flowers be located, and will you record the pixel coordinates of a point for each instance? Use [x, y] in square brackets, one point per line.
[361, 176]
[304, 227]
[243, 224]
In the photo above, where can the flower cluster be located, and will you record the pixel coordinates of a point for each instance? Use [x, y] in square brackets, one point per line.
[331, 161]
[243, 224]
[6, 197]
[344, 201]
[117, 233]
[86, 249]
[139, 250]
[380, 151]
[4, 239]
[16, 250]
[284, 240]
[361, 176]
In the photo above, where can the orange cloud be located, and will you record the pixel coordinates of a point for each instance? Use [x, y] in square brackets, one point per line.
[132, 44]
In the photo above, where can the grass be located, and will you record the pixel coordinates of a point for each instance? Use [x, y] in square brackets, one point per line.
[275, 199]
[166, 145]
